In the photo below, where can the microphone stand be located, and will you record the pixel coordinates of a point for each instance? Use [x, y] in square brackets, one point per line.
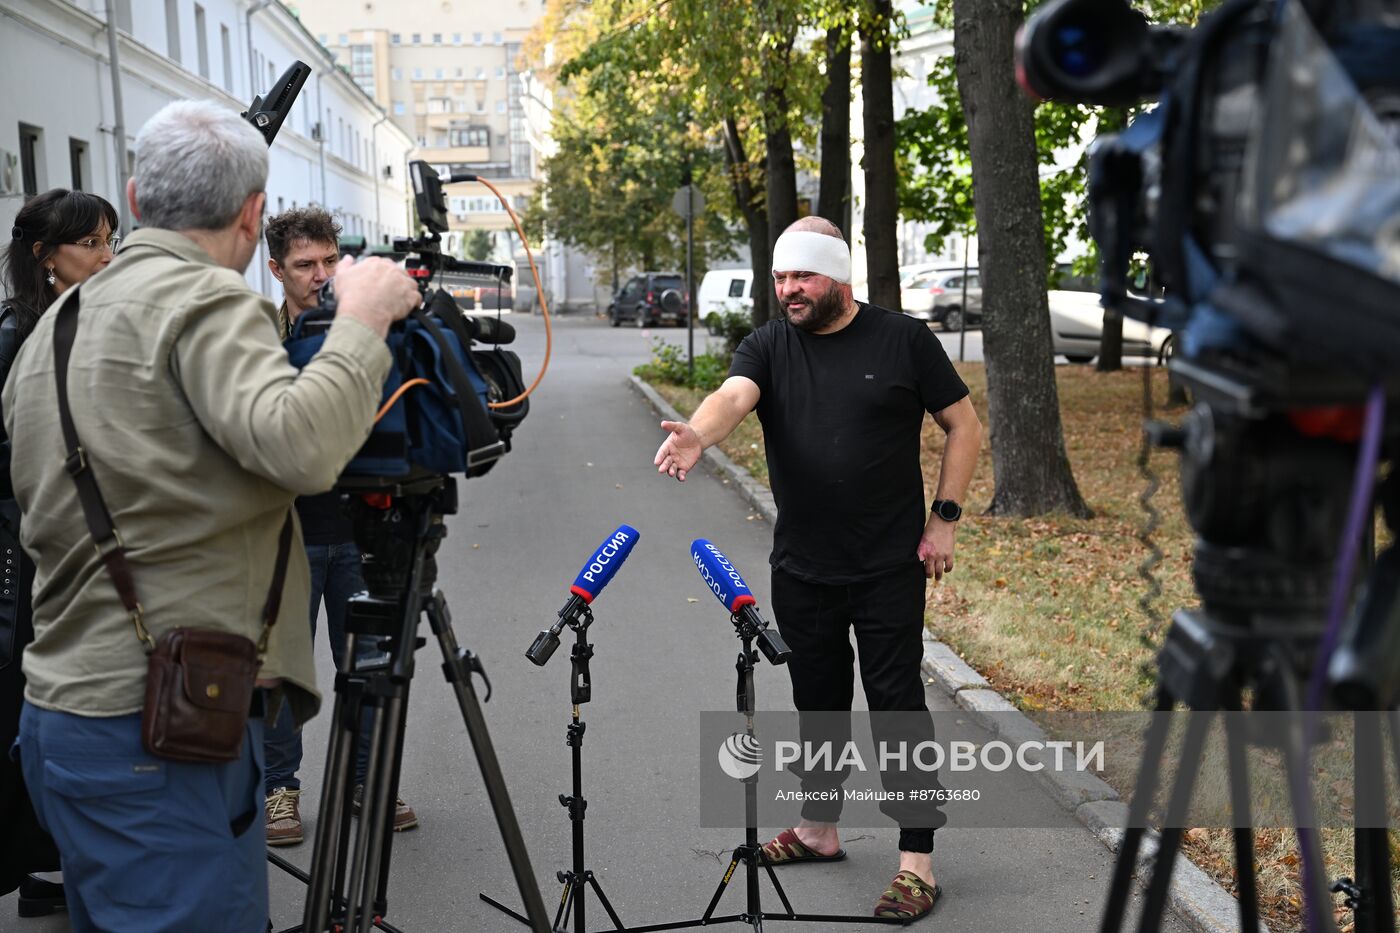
[578, 616]
[750, 852]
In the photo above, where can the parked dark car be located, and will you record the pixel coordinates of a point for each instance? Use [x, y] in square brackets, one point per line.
[651, 299]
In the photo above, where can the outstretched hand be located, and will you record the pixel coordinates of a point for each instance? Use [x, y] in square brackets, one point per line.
[681, 450]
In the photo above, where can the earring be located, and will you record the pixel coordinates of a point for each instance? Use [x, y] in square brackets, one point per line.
[51, 279]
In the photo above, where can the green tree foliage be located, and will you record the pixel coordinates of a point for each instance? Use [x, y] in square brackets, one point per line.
[935, 170]
[642, 84]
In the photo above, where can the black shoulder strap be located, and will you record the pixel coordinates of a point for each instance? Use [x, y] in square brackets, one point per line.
[99, 520]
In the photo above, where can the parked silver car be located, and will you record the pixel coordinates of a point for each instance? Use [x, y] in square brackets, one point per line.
[937, 296]
[1076, 325]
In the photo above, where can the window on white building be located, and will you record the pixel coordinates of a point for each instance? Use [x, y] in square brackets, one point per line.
[497, 38]
[437, 38]
[477, 37]
[344, 39]
[437, 73]
[399, 108]
[172, 29]
[471, 136]
[500, 106]
[500, 72]
[362, 67]
[456, 38]
[78, 162]
[226, 48]
[395, 38]
[480, 73]
[124, 15]
[31, 158]
[201, 41]
[417, 74]
[417, 38]
[439, 105]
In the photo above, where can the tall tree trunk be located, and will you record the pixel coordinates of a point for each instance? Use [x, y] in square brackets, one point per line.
[1029, 464]
[1111, 342]
[834, 195]
[775, 62]
[746, 197]
[881, 197]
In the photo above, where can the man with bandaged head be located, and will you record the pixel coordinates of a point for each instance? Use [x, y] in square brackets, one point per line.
[841, 388]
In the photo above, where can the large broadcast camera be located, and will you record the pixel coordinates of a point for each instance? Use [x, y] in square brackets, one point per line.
[1264, 189]
[447, 408]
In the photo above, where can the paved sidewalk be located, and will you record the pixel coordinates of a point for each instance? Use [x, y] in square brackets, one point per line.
[665, 651]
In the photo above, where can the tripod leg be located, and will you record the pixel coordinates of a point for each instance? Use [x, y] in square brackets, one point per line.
[1178, 805]
[1375, 911]
[369, 838]
[565, 901]
[327, 855]
[773, 877]
[603, 899]
[1316, 899]
[458, 673]
[1242, 810]
[1154, 745]
[719, 889]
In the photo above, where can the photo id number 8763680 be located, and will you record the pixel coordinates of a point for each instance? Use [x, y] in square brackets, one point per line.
[945, 795]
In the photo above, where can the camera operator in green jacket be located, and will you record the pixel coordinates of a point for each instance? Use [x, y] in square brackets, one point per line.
[200, 434]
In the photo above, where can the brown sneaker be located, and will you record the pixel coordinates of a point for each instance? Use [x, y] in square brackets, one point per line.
[404, 817]
[283, 818]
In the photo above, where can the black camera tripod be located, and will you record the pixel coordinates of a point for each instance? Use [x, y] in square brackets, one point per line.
[1267, 502]
[399, 526]
[579, 878]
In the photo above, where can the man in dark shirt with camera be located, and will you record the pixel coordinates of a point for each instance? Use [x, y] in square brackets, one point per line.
[303, 249]
[841, 388]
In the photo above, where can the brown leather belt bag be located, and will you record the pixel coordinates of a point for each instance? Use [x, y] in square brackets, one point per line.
[199, 682]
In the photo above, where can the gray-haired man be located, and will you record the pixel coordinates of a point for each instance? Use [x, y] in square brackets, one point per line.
[200, 434]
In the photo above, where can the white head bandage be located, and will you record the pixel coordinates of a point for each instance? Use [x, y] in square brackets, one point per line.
[804, 251]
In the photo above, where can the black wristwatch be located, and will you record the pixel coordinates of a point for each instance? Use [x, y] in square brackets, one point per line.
[947, 509]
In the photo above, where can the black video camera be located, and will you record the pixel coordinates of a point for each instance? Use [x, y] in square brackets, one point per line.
[1264, 184]
[449, 407]
[1265, 187]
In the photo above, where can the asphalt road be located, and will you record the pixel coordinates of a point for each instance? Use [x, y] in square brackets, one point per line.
[665, 650]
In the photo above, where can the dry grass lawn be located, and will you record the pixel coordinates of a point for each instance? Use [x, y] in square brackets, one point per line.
[1049, 609]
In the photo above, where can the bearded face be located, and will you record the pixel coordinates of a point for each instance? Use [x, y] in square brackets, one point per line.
[810, 308]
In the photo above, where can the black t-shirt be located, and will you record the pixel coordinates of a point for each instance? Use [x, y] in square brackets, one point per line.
[842, 415]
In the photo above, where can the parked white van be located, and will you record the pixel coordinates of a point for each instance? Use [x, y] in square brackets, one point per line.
[723, 290]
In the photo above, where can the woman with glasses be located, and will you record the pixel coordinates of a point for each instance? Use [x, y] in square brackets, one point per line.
[59, 238]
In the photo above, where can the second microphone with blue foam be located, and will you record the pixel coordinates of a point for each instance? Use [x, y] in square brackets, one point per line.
[731, 590]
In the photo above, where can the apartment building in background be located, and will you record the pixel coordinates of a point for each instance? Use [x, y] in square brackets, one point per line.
[448, 74]
[58, 116]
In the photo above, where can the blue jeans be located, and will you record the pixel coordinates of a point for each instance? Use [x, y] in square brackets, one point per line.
[335, 575]
[147, 844]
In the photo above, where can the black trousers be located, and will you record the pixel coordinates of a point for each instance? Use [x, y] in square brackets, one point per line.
[887, 616]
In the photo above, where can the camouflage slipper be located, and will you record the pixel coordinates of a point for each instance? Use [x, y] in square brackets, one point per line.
[907, 898]
[787, 849]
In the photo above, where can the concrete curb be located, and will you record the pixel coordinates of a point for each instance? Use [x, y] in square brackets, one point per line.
[1201, 904]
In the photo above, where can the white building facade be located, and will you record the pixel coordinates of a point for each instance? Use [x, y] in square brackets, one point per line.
[58, 117]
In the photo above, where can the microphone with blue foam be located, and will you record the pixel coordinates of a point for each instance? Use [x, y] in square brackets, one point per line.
[596, 574]
[731, 590]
